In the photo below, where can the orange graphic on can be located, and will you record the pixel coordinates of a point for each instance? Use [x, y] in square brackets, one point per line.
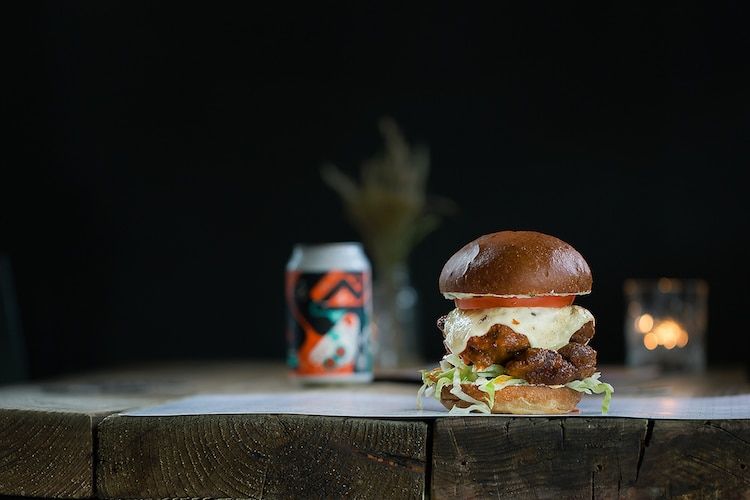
[328, 322]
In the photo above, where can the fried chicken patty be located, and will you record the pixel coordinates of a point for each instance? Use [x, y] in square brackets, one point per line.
[498, 345]
[582, 357]
[544, 366]
[583, 334]
[541, 366]
[502, 345]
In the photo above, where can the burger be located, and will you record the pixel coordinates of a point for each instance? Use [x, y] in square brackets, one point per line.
[516, 343]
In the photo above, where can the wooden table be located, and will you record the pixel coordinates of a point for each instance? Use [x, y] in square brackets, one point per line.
[65, 439]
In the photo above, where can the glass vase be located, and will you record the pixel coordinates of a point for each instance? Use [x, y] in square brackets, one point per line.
[395, 316]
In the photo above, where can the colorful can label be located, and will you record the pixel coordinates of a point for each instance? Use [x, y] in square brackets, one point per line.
[328, 324]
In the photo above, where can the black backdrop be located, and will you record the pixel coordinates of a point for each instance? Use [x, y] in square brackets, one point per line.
[164, 157]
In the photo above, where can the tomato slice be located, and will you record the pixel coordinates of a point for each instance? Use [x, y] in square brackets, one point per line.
[489, 302]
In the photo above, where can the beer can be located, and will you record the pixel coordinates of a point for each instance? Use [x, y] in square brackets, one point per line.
[329, 311]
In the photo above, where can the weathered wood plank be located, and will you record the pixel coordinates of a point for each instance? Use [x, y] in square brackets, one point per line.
[590, 458]
[51, 456]
[694, 459]
[257, 456]
[46, 454]
[47, 440]
[534, 457]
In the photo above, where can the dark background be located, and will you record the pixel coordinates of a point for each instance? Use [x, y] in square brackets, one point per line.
[163, 157]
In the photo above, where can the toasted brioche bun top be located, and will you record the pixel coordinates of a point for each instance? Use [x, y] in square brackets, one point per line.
[516, 263]
[519, 399]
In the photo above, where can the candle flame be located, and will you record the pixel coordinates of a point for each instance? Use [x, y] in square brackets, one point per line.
[667, 333]
[644, 323]
[650, 340]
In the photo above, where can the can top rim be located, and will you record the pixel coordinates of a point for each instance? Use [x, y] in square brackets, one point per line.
[334, 245]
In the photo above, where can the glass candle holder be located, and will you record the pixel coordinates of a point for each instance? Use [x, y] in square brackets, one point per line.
[665, 323]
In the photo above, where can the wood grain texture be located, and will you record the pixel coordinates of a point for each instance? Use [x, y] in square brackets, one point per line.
[590, 458]
[46, 454]
[47, 438]
[261, 456]
[694, 459]
[534, 457]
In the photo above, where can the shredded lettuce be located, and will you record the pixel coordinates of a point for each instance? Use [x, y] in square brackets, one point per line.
[593, 385]
[454, 372]
[489, 388]
[492, 371]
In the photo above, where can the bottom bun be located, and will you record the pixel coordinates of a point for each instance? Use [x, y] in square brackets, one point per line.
[519, 399]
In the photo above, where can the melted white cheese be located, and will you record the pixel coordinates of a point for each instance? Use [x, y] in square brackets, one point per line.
[545, 327]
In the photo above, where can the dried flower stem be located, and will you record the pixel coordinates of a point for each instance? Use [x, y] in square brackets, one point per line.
[389, 207]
